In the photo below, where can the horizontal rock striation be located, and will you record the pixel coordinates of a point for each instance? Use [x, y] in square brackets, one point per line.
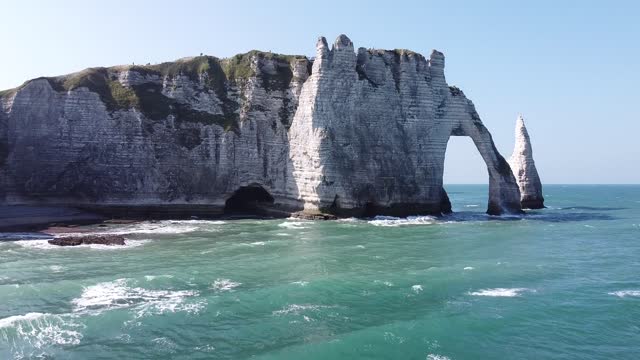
[524, 169]
[371, 132]
[348, 133]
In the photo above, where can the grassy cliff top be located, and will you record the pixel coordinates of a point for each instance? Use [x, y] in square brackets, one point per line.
[232, 69]
[148, 97]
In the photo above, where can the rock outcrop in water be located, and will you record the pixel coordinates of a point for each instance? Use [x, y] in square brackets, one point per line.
[524, 169]
[88, 240]
[347, 133]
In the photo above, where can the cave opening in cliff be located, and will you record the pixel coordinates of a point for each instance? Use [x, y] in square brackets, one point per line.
[466, 177]
[248, 200]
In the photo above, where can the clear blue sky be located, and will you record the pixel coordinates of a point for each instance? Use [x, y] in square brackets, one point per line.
[571, 67]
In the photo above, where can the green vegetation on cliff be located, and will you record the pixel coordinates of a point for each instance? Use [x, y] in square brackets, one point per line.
[212, 73]
[7, 92]
[148, 97]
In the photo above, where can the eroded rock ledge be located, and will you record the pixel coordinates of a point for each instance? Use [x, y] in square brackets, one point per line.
[349, 133]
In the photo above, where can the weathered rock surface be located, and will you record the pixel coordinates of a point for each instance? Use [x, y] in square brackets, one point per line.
[371, 132]
[524, 169]
[346, 134]
[88, 239]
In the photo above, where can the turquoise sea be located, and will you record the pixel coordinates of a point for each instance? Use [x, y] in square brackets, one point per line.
[558, 283]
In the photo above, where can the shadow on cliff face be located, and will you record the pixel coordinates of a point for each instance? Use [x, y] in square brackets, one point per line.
[248, 200]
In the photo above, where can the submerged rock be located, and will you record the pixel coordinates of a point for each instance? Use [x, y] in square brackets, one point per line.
[524, 169]
[88, 239]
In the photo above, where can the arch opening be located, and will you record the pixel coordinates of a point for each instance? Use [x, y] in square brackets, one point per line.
[466, 176]
[249, 200]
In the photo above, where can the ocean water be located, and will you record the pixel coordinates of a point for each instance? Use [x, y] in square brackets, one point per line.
[558, 283]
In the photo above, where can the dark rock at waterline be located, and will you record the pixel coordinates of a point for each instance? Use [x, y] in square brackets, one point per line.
[314, 216]
[88, 239]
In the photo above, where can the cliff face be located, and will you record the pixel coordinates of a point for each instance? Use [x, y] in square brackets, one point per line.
[524, 169]
[371, 133]
[348, 134]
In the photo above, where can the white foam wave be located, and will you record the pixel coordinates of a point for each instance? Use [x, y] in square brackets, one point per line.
[501, 292]
[417, 289]
[256, 243]
[160, 227]
[471, 205]
[468, 268]
[44, 245]
[437, 357]
[395, 221]
[624, 293]
[296, 309]
[301, 283]
[56, 268]
[9, 321]
[224, 285]
[118, 294]
[38, 330]
[156, 227]
[293, 224]
[351, 219]
[360, 246]
[153, 277]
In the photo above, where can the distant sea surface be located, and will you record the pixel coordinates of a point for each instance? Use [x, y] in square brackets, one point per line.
[558, 283]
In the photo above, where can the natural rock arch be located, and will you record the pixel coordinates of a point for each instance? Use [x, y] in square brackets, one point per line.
[504, 194]
[373, 127]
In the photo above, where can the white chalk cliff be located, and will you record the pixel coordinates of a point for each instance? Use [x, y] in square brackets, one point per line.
[524, 169]
[346, 133]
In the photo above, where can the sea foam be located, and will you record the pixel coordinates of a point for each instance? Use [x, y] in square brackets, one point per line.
[44, 245]
[501, 292]
[120, 294]
[297, 309]
[625, 293]
[37, 331]
[293, 224]
[224, 285]
[395, 221]
[437, 357]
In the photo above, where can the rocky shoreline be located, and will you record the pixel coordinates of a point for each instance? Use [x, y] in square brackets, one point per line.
[54, 220]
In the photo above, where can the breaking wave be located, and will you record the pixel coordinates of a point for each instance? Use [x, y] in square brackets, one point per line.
[437, 357]
[37, 331]
[395, 221]
[501, 292]
[119, 294]
[155, 227]
[625, 293]
[297, 309]
[224, 285]
[44, 245]
[294, 224]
